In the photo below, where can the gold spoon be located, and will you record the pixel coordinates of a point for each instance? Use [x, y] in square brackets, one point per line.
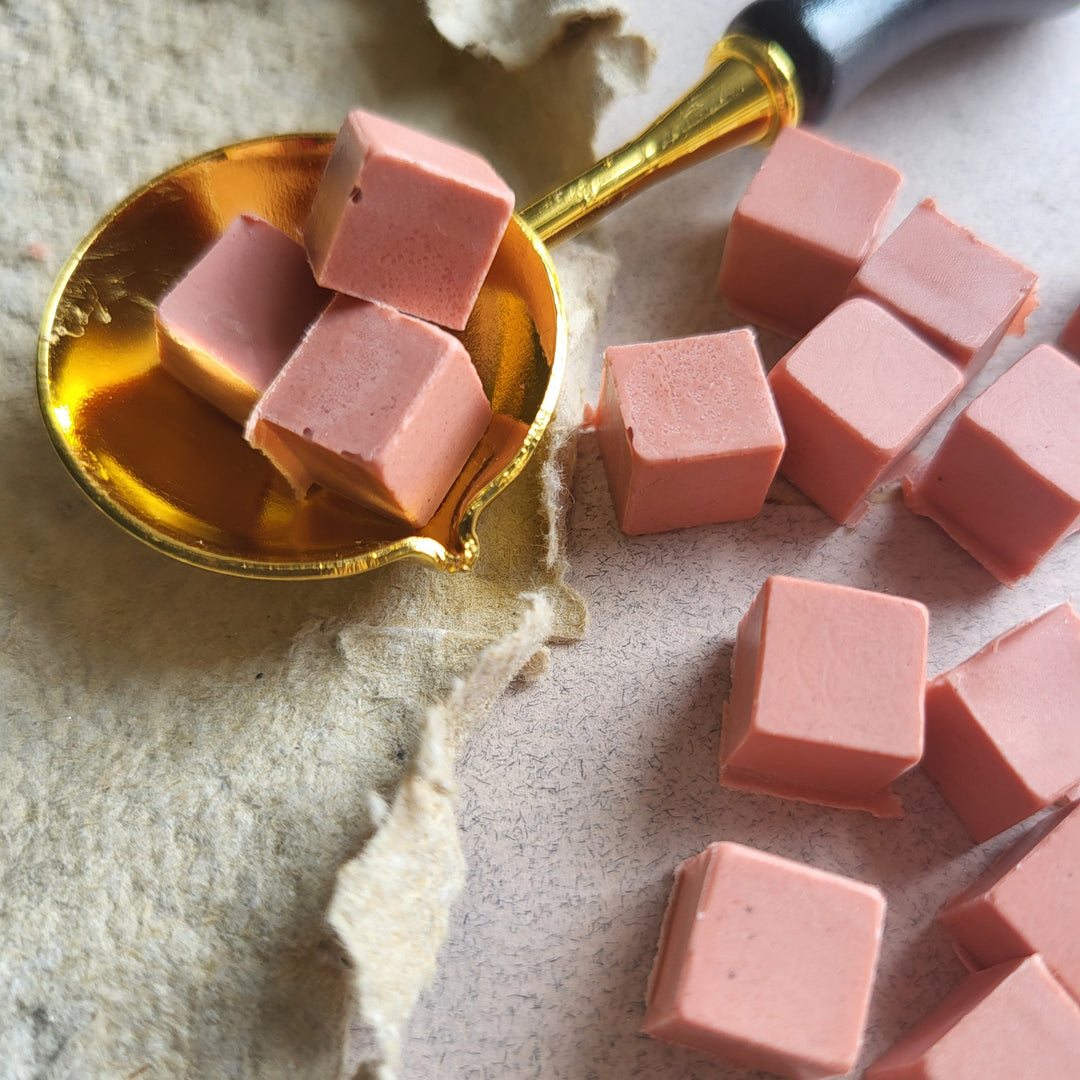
[177, 474]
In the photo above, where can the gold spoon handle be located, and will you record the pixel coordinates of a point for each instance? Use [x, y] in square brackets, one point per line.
[748, 94]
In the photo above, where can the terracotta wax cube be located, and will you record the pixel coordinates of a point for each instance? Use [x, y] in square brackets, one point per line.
[1070, 336]
[406, 219]
[375, 405]
[688, 431]
[1011, 1022]
[1003, 727]
[1005, 482]
[826, 695]
[854, 396]
[962, 294]
[765, 963]
[807, 221]
[229, 324]
[1027, 901]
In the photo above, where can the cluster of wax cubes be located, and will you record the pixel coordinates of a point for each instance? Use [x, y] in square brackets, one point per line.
[768, 963]
[763, 961]
[692, 432]
[332, 352]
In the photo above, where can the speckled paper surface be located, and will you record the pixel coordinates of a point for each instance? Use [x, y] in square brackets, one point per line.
[581, 795]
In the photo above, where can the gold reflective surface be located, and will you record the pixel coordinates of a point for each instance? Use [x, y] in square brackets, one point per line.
[178, 474]
[749, 92]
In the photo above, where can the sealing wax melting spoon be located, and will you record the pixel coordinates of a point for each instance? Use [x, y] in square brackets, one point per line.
[177, 474]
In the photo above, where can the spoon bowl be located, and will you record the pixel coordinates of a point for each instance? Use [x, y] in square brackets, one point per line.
[175, 472]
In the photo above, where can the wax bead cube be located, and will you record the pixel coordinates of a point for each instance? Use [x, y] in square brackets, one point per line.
[1070, 336]
[962, 294]
[765, 963]
[688, 431]
[1005, 482]
[380, 407]
[1011, 1022]
[854, 396]
[826, 696]
[406, 219]
[1027, 901]
[1003, 727]
[229, 324]
[807, 221]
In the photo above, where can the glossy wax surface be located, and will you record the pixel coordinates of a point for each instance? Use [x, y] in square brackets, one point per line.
[959, 292]
[175, 471]
[1070, 336]
[809, 218]
[1009, 1022]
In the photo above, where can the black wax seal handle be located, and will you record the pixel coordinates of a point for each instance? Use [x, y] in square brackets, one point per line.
[839, 46]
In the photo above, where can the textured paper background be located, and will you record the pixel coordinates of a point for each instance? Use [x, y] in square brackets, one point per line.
[581, 790]
[186, 760]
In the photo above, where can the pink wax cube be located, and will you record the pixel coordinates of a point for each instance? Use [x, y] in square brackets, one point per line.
[380, 407]
[1027, 901]
[1003, 727]
[688, 431]
[807, 221]
[1005, 482]
[765, 963]
[854, 396]
[406, 219]
[1070, 336]
[1011, 1022]
[962, 294]
[826, 695]
[229, 324]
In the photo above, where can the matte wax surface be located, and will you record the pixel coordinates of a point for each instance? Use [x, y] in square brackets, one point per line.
[1003, 727]
[949, 285]
[765, 962]
[1070, 336]
[854, 396]
[230, 323]
[380, 407]
[827, 695]
[1027, 901]
[1011, 1022]
[807, 221]
[1005, 482]
[688, 431]
[406, 219]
